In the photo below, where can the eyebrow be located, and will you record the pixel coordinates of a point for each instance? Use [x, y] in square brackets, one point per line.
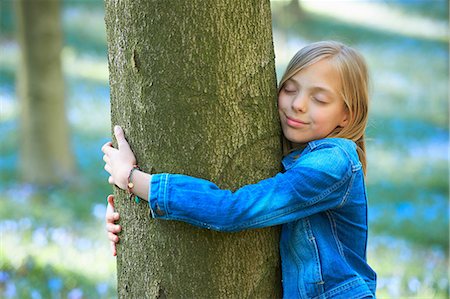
[324, 89]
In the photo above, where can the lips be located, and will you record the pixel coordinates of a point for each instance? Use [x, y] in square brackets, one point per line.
[296, 123]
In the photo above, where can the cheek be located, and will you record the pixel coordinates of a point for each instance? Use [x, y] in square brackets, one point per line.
[320, 117]
[281, 101]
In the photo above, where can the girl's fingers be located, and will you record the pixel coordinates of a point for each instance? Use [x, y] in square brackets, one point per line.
[106, 145]
[111, 180]
[113, 237]
[110, 200]
[113, 228]
[113, 249]
[109, 227]
[120, 137]
[111, 216]
[107, 148]
[108, 168]
[106, 159]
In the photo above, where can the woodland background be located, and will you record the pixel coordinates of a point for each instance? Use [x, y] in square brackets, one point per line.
[53, 243]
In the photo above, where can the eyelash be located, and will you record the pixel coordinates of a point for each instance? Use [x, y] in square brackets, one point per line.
[319, 101]
[289, 90]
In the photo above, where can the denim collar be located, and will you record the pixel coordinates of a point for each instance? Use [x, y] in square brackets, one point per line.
[292, 157]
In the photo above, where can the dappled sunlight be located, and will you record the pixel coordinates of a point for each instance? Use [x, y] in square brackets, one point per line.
[91, 115]
[85, 67]
[380, 16]
[8, 62]
[411, 78]
[10, 55]
[405, 271]
[397, 170]
[87, 91]
[85, 28]
[413, 159]
[58, 248]
[65, 257]
[285, 47]
[8, 109]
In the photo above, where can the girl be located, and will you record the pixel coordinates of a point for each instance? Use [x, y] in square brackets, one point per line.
[319, 199]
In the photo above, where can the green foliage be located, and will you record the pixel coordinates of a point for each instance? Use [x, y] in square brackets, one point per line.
[84, 30]
[435, 9]
[406, 271]
[82, 22]
[33, 279]
[7, 24]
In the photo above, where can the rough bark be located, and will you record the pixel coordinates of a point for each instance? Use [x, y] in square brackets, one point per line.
[193, 84]
[45, 154]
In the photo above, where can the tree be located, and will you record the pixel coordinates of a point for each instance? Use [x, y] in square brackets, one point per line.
[45, 154]
[294, 7]
[193, 85]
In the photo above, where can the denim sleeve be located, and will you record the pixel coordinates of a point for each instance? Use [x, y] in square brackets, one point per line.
[316, 183]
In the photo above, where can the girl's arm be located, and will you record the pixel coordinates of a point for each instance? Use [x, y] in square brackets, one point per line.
[316, 184]
[313, 186]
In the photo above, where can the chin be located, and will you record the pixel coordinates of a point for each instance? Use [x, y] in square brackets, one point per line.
[297, 140]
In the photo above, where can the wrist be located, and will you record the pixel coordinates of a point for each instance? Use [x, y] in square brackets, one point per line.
[124, 177]
[140, 181]
[130, 184]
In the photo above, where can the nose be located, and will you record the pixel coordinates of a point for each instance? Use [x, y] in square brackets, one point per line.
[299, 102]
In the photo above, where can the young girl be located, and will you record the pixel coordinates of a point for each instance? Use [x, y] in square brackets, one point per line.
[319, 198]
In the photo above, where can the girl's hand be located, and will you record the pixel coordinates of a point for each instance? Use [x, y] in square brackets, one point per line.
[112, 228]
[119, 161]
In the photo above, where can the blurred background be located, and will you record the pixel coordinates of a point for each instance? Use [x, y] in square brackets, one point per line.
[53, 242]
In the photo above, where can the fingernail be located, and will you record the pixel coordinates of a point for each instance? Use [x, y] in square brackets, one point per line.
[116, 129]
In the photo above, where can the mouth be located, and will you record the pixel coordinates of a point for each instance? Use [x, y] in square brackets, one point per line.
[296, 123]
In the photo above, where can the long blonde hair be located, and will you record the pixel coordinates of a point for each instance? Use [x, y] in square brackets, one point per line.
[354, 79]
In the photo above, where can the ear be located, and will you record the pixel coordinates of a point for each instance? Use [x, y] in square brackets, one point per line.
[345, 118]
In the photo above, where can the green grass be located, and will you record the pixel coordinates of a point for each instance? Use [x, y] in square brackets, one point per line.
[53, 238]
[407, 271]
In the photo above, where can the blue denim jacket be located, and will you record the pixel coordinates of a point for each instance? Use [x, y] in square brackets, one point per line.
[320, 201]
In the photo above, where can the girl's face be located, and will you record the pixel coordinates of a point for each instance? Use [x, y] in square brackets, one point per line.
[309, 103]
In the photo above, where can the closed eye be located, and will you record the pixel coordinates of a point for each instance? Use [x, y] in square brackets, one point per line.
[319, 100]
[289, 89]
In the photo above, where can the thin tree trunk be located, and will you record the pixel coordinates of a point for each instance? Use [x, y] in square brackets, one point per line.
[193, 84]
[45, 155]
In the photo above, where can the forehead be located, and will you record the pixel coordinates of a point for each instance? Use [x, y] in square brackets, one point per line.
[320, 75]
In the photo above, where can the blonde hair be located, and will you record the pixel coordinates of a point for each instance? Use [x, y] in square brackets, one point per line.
[354, 79]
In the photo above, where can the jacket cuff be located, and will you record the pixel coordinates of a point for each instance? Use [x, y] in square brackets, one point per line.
[158, 195]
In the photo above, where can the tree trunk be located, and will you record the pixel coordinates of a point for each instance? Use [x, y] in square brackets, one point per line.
[45, 155]
[193, 85]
